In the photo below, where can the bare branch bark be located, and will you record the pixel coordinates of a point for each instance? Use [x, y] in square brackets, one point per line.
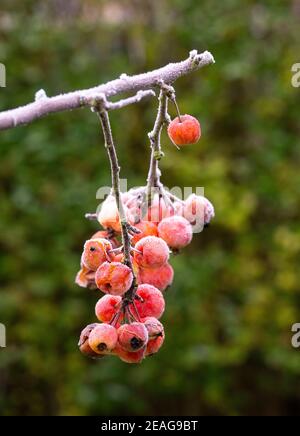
[130, 100]
[109, 106]
[46, 105]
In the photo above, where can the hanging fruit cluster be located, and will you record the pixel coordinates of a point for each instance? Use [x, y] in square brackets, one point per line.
[128, 260]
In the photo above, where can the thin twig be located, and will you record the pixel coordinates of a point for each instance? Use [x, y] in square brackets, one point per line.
[131, 100]
[174, 197]
[116, 190]
[115, 175]
[91, 216]
[136, 311]
[117, 250]
[162, 118]
[177, 109]
[154, 136]
[92, 100]
[163, 194]
[133, 317]
[133, 230]
[46, 105]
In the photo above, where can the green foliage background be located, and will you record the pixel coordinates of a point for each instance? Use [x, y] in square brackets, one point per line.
[236, 290]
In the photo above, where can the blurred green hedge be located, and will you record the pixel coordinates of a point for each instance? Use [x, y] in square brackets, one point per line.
[236, 289]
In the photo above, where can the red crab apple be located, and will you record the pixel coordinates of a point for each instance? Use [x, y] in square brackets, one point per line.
[185, 130]
[129, 356]
[95, 252]
[132, 337]
[151, 252]
[85, 278]
[158, 210]
[103, 338]
[114, 278]
[154, 327]
[154, 345]
[84, 342]
[147, 228]
[176, 231]
[161, 277]
[149, 302]
[104, 234]
[198, 210]
[109, 217]
[121, 258]
[107, 307]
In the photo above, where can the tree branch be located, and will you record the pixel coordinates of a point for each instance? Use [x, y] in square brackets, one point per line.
[131, 100]
[46, 105]
[107, 105]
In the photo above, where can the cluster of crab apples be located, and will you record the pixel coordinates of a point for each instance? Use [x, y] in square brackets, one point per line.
[135, 276]
[130, 327]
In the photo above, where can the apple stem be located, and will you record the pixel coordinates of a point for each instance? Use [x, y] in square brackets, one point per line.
[177, 109]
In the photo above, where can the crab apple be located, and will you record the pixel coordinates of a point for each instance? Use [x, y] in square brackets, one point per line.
[176, 231]
[184, 131]
[84, 341]
[85, 278]
[149, 301]
[161, 277]
[100, 234]
[132, 337]
[154, 327]
[114, 278]
[155, 344]
[107, 307]
[104, 234]
[158, 210]
[109, 216]
[103, 338]
[127, 197]
[134, 207]
[198, 210]
[129, 356]
[147, 228]
[151, 252]
[95, 252]
[120, 258]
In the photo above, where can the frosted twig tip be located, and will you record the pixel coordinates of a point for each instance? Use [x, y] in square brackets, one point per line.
[40, 95]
